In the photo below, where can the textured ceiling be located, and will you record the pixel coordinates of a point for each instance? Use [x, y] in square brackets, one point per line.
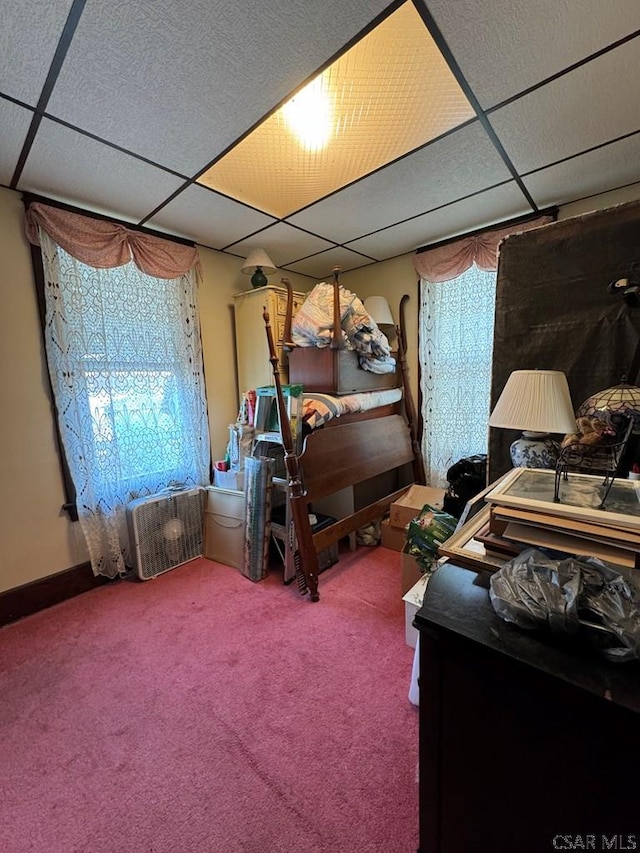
[121, 107]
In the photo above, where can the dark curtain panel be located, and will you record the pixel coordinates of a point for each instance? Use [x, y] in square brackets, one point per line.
[554, 311]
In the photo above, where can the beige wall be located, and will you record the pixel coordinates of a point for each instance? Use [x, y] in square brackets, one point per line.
[37, 538]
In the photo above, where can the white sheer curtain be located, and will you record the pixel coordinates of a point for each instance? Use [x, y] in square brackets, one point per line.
[125, 361]
[456, 341]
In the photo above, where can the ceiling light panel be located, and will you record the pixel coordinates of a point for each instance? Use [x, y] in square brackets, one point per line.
[389, 94]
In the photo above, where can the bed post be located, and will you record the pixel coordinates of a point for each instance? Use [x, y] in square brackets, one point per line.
[305, 557]
[336, 337]
[287, 343]
[418, 461]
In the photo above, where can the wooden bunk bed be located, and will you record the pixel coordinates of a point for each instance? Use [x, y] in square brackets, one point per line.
[345, 452]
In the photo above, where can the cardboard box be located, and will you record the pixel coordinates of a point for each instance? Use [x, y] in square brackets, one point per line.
[392, 537]
[410, 572]
[412, 501]
[224, 526]
[412, 603]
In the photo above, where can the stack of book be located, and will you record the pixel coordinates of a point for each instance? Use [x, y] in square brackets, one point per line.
[522, 514]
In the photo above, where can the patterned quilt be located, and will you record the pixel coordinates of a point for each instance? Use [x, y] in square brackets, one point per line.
[320, 408]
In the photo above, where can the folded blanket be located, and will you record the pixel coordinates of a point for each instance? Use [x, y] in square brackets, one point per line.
[312, 327]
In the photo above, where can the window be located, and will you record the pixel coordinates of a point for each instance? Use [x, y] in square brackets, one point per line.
[125, 363]
[456, 342]
[123, 333]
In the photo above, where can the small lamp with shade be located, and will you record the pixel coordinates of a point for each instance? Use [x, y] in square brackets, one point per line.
[258, 265]
[378, 309]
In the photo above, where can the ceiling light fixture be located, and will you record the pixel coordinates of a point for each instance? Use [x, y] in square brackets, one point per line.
[309, 115]
[387, 95]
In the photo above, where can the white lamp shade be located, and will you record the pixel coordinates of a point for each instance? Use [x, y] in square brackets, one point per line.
[535, 401]
[378, 309]
[258, 258]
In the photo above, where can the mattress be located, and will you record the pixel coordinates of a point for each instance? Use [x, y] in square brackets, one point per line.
[318, 409]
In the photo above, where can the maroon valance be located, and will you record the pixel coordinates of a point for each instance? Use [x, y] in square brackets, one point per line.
[447, 262]
[103, 244]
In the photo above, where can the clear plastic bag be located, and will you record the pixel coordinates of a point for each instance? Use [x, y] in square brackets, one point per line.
[571, 594]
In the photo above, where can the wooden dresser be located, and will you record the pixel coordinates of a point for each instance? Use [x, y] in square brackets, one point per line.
[252, 352]
[529, 741]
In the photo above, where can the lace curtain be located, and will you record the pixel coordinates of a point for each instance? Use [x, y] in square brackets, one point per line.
[458, 284]
[456, 342]
[125, 360]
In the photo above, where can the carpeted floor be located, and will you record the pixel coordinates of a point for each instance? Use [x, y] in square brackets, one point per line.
[202, 712]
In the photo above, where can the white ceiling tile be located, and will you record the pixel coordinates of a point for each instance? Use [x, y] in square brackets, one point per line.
[65, 164]
[320, 266]
[208, 218]
[14, 124]
[29, 36]
[604, 169]
[505, 46]
[484, 209]
[283, 243]
[593, 104]
[456, 165]
[179, 82]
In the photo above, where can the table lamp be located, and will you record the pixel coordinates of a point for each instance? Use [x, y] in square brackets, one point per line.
[378, 309]
[258, 265]
[537, 402]
[622, 399]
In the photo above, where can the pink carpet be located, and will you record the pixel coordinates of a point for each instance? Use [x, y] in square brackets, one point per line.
[202, 712]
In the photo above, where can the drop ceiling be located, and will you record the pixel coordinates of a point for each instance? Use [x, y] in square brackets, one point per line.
[131, 109]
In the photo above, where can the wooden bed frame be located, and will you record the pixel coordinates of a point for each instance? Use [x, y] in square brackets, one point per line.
[322, 370]
[345, 452]
[350, 453]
